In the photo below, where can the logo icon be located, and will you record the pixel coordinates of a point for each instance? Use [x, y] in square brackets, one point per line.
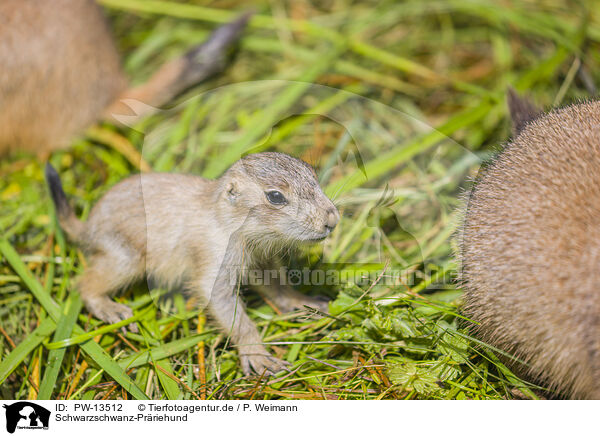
[26, 415]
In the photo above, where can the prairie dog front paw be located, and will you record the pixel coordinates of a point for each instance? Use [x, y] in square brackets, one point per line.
[257, 359]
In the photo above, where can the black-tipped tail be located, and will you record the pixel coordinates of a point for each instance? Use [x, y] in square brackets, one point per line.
[56, 190]
[211, 56]
[66, 216]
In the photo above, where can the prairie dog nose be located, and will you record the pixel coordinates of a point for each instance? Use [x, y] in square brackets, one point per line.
[333, 216]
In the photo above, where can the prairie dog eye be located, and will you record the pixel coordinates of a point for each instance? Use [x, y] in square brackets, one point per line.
[276, 197]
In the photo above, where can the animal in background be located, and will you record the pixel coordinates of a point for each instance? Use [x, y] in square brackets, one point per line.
[61, 72]
[530, 248]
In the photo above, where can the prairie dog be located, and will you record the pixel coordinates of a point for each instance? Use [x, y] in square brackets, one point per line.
[530, 248]
[61, 72]
[183, 230]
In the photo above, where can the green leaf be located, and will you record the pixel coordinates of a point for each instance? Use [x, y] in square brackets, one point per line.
[451, 344]
[412, 377]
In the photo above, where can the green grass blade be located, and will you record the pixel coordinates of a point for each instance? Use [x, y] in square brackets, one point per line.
[392, 159]
[90, 335]
[323, 107]
[162, 351]
[264, 120]
[16, 356]
[112, 368]
[170, 386]
[92, 349]
[34, 286]
[64, 328]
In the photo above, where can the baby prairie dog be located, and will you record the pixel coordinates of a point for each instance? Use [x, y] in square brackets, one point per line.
[189, 232]
[530, 248]
[61, 72]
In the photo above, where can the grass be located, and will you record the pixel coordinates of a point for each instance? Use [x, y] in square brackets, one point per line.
[395, 103]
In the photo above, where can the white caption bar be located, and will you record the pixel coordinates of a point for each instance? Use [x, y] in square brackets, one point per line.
[89, 418]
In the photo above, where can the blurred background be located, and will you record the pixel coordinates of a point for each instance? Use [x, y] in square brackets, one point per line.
[396, 104]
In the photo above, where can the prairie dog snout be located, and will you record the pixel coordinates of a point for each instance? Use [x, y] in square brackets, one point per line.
[183, 230]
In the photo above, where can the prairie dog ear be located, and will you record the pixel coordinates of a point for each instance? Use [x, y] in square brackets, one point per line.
[232, 192]
[521, 110]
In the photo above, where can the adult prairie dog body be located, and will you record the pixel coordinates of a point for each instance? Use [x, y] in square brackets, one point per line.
[183, 230]
[530, 247]
[60, 71]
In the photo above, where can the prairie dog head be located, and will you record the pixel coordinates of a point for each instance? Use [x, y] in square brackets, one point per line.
[278, 199]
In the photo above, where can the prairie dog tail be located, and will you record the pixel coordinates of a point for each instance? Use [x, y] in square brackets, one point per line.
[72, 226]
[174, 77]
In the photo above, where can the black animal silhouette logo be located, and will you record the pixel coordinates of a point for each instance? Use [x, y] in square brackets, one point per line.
[26, 415]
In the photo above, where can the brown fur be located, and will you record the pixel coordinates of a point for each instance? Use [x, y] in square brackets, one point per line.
[530, 249]
[182, 230]
[61, 72]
